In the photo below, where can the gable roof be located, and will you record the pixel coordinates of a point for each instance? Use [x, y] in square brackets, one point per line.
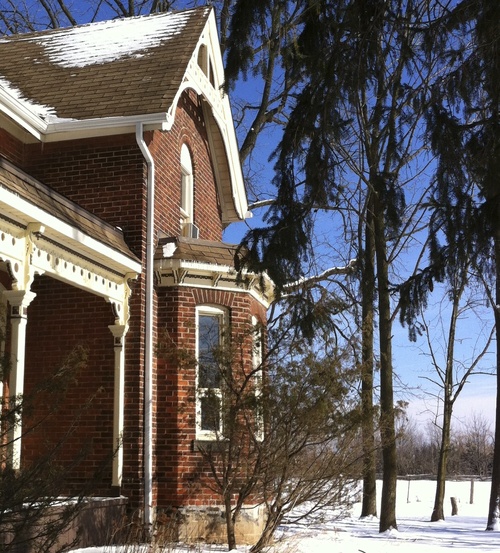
[105, 78]
[117, 68]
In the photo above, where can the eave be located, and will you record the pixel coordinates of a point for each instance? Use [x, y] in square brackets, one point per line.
[186, 273]
[57, 130]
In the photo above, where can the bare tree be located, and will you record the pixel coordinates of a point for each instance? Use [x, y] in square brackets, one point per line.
[285, 429]
[452, 373]
[20, 16]
[476, 445]
[310, 449]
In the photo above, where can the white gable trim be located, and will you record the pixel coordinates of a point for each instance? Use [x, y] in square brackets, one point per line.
[220, 108]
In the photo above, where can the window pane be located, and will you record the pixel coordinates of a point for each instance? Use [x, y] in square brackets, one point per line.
[208, 350]
[186, 203]
[210, 413]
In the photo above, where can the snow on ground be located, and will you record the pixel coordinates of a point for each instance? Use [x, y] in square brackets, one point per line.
[462, 533]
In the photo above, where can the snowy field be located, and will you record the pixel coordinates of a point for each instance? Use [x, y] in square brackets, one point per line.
[462, 533]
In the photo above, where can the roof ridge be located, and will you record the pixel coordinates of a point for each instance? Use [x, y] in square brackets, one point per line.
[43, 32]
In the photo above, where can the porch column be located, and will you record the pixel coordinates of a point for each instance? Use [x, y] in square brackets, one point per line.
[118, 332]
[19, 301]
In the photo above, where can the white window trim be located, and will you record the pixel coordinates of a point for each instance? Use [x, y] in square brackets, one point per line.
[187, 190]
[222, 313]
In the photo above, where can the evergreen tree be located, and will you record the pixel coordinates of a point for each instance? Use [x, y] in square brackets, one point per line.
[364, 75]
[464, 126]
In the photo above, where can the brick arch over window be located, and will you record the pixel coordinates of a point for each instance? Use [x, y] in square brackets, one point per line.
[214, 297]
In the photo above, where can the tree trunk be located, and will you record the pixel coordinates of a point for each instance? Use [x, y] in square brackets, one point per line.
[438, 510]
[369, 504]
[494, 506]
[273, 520]
[231, 534]
[387, 426]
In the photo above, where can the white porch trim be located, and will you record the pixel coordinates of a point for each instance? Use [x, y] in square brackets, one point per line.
[18, 301]
[27, 251]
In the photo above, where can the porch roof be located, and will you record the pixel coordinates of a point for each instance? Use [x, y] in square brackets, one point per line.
[181, 261]
[201, 251]
[44, 200]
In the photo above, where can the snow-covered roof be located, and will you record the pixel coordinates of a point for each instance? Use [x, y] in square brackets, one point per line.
[110, 41]
[104, 78]
[115, 68]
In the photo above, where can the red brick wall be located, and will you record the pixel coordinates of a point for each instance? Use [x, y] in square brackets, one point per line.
[133, 467]
[177, 468]
[107, 176]
[61, 318]
[11, 148]
[103, 175]
[189, 129]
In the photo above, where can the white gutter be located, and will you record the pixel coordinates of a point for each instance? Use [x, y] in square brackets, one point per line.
[41, 120]
[148, 354]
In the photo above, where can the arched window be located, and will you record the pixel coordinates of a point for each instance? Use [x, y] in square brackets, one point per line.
[205, 64]
[187, 195]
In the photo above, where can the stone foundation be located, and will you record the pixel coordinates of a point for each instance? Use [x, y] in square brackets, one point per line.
[208, 525]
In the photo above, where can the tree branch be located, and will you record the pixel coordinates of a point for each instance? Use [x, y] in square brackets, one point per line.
[305, 281]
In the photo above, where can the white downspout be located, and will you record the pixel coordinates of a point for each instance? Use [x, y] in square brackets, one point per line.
[148, 354]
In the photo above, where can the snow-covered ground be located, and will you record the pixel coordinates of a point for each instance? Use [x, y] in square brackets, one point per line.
[464, 532]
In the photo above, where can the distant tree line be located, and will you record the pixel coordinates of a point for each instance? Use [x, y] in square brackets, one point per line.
[471, 449]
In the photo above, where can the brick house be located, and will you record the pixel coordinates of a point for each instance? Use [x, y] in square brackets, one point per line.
[119, 171]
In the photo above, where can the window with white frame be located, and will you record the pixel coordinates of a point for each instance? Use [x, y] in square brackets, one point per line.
[187, 193]
[211, 323]
[206, 64]
[257, 359]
